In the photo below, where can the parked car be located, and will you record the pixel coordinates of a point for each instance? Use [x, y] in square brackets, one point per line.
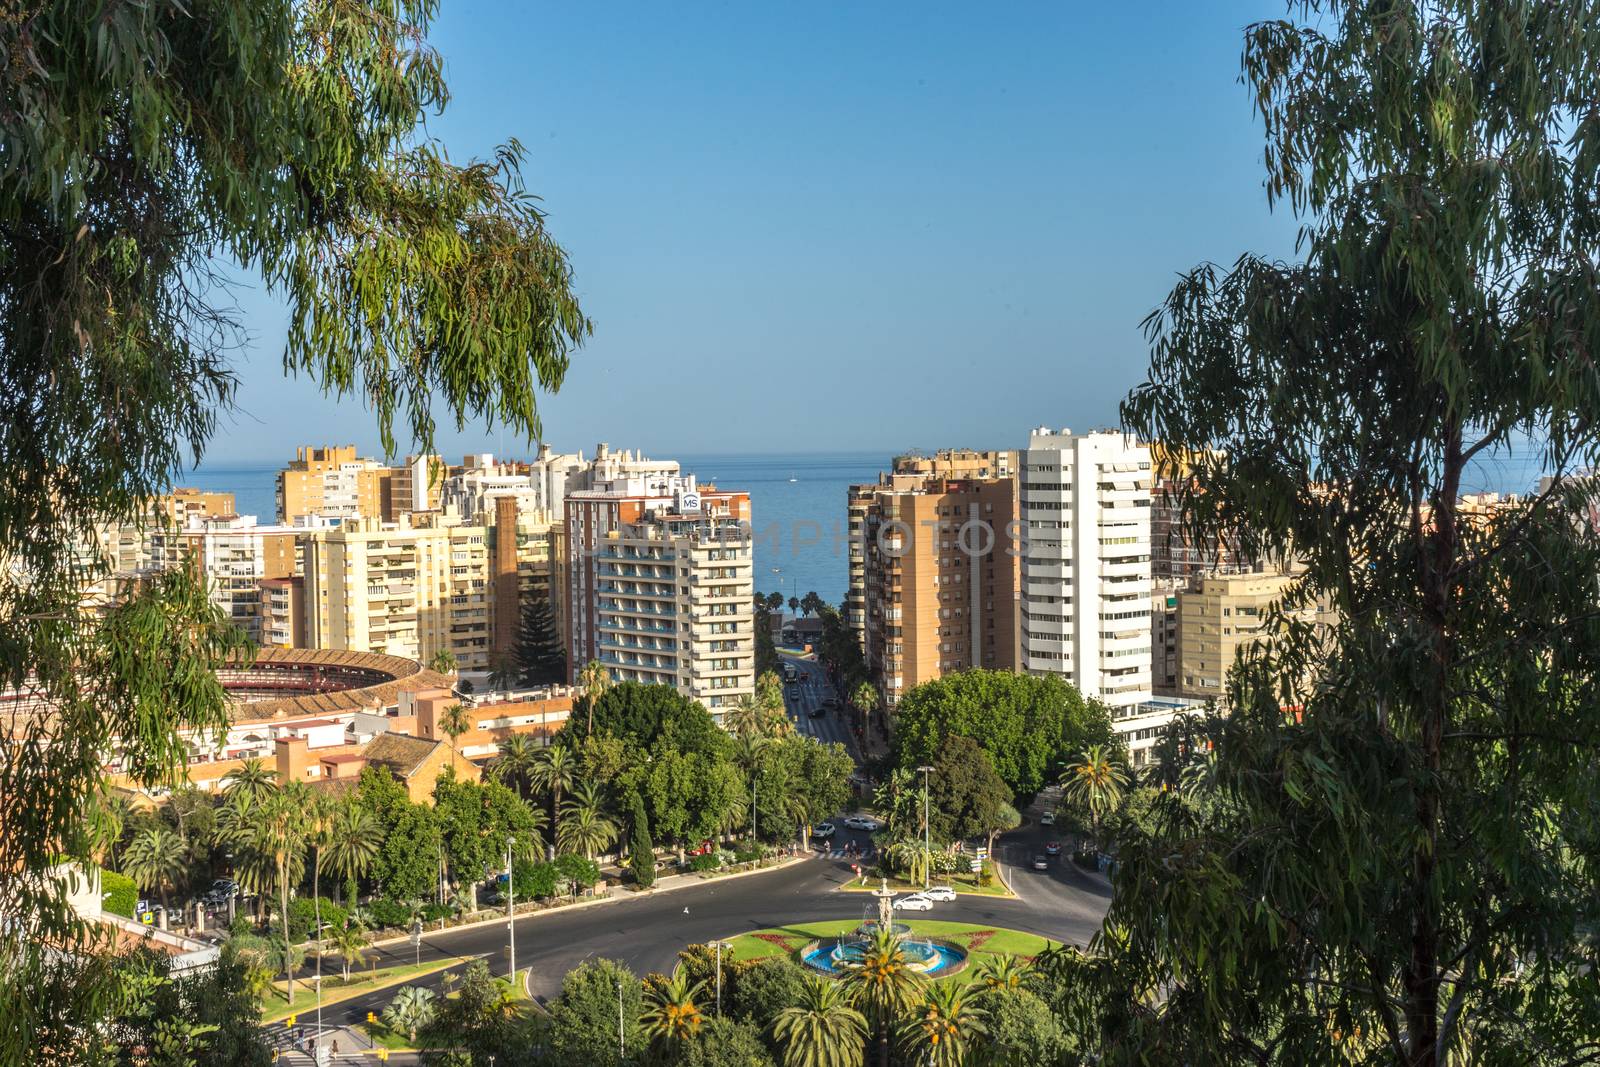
[823, 830]
[817, 712]
[940, 893]
[1047, 819]
[862, 822]
[914, 902]
[1052, 848]
[221, 891]
[1041, 863]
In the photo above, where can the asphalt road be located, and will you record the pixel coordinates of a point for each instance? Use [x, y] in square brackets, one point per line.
[647, 931]
[806, 695]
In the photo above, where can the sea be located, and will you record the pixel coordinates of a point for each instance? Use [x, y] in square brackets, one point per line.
[797, 503]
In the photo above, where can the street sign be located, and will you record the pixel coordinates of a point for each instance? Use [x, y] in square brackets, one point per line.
[416, 933]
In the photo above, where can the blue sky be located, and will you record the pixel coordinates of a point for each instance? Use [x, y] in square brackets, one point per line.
[849, 226]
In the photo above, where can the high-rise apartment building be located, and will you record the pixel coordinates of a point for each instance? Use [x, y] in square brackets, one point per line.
[526, 554]
[409, 588]
[1177, 553]
[659, 584]
[333, 482]
[236, 556]
[181, 507]
[961, 464]
[417, 485]
[1085, 514]
[938, 579]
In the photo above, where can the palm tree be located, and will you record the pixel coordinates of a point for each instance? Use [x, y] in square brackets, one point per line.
[156, 859]
[252, 778]
[822, 1029]
[354, 843]
[552, 773]
[410, 1011]
[278, 834]
[671, 1016]
[595, 680]
[883, 985]
[443, 661]
[320, 819]
[584, 827]
[1003, 973]
[746, 716]
[514, 766]
[454, 722]
[348, 943]
[769, 691]
[865, 697]
[748, 750]
[943, 1025]
[504, 671]
[1096, 781]
[794, 606]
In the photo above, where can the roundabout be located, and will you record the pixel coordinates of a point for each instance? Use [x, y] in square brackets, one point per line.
[974, 943]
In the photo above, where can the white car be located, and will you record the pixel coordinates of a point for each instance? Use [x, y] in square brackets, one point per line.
[862, 822]
[941, 893]
[915, 902]
[822, 831]
[1047, 819]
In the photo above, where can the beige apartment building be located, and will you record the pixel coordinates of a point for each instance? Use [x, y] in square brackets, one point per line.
[1218, 615]
[527, 553]
[660, 587]
[409, 588]
[333, 482]
[938, 578]
[960, 463]
[181, 507]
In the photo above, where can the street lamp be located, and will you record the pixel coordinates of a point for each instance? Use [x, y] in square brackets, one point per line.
[622, 1049]
[927, 830]
[720, 945]
[321, 926]
[511, 911]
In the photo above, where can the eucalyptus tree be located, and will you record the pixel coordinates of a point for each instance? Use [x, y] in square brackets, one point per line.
[1393, 857]
[154, 154]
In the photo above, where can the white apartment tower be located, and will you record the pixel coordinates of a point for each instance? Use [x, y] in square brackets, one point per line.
[1085, 514]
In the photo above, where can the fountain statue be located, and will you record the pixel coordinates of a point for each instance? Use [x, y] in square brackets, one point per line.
[885, 897]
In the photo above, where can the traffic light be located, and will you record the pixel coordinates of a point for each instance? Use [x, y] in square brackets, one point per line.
[290, 1020]
[383, 1055]
[372, 1016]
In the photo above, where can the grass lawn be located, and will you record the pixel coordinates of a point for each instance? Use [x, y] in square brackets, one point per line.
[964, 882]
[979, 941]
[334, 988]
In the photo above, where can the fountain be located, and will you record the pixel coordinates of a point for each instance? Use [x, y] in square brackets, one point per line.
[932, 957]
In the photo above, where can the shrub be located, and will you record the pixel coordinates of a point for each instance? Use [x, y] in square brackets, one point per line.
[709, 862]
[121, 894]
[386, 911]
[303, 916]
[575, 868]
[536, 880]
[435, 912]
[749, 856]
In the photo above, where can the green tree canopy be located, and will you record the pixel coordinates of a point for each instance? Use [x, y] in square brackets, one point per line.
[154, 153]
[582, 1030]
[1026, 724]
[1392, 857]
[966, 796]
[644, 714]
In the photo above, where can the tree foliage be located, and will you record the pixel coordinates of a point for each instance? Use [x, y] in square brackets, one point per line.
[966, 796]
[1391, 857]
[1027, 725]
[153, 153]
[582, 1030]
